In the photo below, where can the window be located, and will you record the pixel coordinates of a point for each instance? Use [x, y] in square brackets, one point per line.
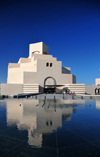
[47, 64]
[50, 64]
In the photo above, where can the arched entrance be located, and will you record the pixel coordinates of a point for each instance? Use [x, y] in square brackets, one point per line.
[49, 85]
[99, 91]
[96, 91]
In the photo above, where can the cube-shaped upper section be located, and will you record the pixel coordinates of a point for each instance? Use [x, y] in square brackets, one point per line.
[97, 81]
[38, 48]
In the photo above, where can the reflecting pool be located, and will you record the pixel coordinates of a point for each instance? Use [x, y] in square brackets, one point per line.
[49, 128]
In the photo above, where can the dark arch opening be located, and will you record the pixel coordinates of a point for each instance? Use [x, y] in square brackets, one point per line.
[99, 91]
[49, 85]
[96, 91]
[35, 52]
[49, 78]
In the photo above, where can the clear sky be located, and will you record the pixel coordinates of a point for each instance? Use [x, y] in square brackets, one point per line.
[70, 28]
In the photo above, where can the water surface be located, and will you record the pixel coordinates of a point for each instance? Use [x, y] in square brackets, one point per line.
[47, 128]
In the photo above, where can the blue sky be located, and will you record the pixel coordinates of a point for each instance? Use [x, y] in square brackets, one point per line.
[70, 28]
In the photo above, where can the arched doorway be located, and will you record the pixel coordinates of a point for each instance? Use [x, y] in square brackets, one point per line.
[96, 91]
[49, 85]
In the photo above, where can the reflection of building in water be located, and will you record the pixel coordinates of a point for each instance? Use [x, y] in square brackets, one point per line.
[38, 117]
[98, 104]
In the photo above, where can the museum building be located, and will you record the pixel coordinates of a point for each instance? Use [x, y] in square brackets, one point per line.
[40, 72]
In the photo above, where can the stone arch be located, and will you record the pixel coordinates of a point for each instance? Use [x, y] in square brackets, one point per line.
[49, 81]
[96, 91]
[35, 52]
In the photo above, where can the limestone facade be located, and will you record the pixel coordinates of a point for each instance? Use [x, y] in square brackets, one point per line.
[38, 67]
[40, 70]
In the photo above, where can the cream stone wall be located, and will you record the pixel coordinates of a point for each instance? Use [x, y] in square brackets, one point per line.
[77, 88]
[38, 48]
[67, 78]
[15, 89]
[15, 77]
[11, 89]
[38, 67]
[14, 65]
[97, 81]
[30, 88]
[44, 71]
[43, 57]
[24, 60]
[30, 78]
